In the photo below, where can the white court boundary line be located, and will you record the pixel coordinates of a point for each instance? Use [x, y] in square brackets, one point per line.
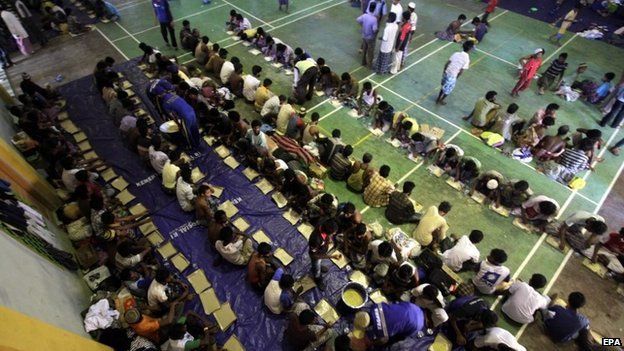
[110, 42]
[174, 21]
[248, 14]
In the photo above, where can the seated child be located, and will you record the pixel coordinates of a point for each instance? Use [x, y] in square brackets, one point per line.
[367, 101]
[384, 116]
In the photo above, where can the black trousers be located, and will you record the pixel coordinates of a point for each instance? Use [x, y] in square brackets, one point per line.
[164, 27]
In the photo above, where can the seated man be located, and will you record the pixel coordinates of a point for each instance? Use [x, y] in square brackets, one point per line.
[149, 327]
[539, 211]
[467, 313]
[279, 295]
[355, 244]
[394, 322]
[349, 87]
[340, 164]
[496, 338]
[303, 330]
[136, 282]
[467, 170]
[464, 255]
[513, 194]
[295, 189]
[484, 111]
[507, 123]
[379, 257]
[377, 193]
[400, 208]
[234, 248]
[165, 290]
[430, 298]
[321, 207]
[447, 159]
[205, 204]
[219, 221]
[400, 279]
[488, 184]
[575, 160]
[129, 254]
[524, 300]
[491, 274]
[551, 146]
[284, 54]
[384, 116]
[582, 230]
[263, 93]
[432, 228]
[257, 138]
[422, 145]
[189, 333]
[564, 324]
[261, 267]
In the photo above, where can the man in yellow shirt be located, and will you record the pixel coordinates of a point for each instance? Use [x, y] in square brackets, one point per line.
[432, 228]
[263, 94]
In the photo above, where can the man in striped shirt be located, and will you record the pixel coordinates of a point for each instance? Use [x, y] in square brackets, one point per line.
[576, 160]
[553, 74]
[340, 165]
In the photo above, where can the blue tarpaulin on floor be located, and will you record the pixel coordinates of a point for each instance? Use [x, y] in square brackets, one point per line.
[255, 327]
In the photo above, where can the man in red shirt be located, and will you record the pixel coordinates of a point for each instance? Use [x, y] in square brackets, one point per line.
[491, 6]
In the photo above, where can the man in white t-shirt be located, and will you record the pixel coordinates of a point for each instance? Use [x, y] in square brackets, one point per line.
[491, 273]
[464, 254]
[271, 107]
[233, 248]
[496, 336]
[251, 83]
[381, 251]
[397, 9]
[227, 69]
[158, 292]
[278, 295]
[456, 65]
[525, 300]
[430, 298]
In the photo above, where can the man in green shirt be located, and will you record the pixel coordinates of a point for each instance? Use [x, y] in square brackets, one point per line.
[484, 110]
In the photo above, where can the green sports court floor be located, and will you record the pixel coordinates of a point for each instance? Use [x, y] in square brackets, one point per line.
[328, 29]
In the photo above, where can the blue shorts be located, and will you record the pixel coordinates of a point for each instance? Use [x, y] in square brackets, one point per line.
[448, 83]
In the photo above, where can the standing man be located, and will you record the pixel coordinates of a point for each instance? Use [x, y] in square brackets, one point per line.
[369, 31]
[305, 74]
[456, 65]
[411, 8]
[397, 9]
[30, 22]
[566, 22]
[18, 32]
[491, 6]
[165, 18]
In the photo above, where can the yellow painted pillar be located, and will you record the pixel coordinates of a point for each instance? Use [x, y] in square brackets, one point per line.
[19, 332]
[26, 181]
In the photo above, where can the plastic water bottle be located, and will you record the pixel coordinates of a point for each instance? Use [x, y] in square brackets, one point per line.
[59, 78]
[206, 2]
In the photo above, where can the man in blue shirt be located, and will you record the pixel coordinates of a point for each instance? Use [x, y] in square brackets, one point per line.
[566, 323]
[396, 321]
[165, 18]
[369, 25]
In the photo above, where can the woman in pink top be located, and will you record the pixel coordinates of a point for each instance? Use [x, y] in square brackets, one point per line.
[529, 70]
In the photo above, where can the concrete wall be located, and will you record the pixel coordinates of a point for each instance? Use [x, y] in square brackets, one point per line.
[38, 288]
[33, 285]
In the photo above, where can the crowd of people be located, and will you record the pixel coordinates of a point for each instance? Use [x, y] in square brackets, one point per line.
[288, 150]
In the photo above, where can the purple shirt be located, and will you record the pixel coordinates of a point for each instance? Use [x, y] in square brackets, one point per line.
[369, 25]
[402, 319]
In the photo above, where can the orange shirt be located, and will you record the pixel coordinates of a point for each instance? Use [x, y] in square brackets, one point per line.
[147, 327]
